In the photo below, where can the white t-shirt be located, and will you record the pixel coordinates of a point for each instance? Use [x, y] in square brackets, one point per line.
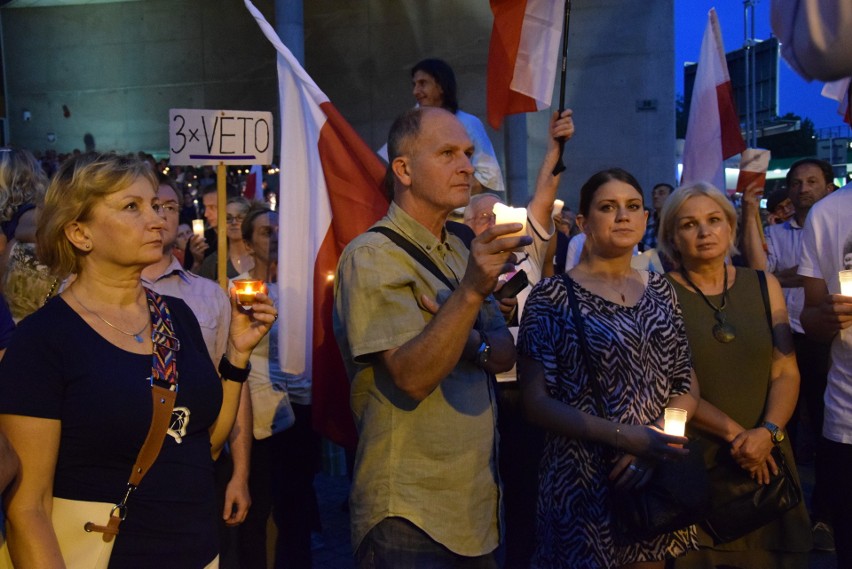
[827, 230]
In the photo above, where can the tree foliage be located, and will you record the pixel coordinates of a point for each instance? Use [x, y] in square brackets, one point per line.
[793, 144]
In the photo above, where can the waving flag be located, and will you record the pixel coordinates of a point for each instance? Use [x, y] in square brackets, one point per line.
[254, 183]
[839, 91]
[522, 57]
[713, 132]
[331, 191]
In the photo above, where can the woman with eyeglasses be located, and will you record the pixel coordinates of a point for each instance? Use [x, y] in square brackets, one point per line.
[239, 256]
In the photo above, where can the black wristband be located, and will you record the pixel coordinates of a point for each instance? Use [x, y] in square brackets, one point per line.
[231, 372]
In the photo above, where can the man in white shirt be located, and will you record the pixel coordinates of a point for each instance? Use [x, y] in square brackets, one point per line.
[827, 316]
[433, 84]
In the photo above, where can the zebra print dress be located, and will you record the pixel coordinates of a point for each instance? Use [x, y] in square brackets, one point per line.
[643, 360]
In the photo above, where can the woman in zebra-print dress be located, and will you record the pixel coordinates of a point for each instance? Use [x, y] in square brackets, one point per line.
[637, 340]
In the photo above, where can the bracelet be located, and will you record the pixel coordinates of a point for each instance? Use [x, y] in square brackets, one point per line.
[230, 372]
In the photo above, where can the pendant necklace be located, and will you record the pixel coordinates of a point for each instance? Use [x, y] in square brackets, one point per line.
[135, 335]
[605, 282]
[722, 331]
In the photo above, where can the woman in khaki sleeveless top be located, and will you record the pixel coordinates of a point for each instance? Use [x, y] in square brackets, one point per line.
[748, 373]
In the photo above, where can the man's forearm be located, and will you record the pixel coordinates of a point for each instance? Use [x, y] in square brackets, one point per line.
[752, 241]
[790, 278]
[546, 186]
[418, 366]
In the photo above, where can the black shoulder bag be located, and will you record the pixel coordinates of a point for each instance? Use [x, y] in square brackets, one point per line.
[677, 494]
[741, 505]
[415, 252]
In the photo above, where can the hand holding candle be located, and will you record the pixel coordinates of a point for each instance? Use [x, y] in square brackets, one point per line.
[198, 227]
[675, 421]
[506, 214]
[557, 207]
[246, 290]
[845, 282]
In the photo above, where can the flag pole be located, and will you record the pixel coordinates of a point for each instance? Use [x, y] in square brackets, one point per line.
[560, 165]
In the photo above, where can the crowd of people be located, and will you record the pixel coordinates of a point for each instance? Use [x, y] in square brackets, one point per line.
[671, 307]
[629, 310]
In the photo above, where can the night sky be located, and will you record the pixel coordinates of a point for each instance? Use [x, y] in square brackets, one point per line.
[795, 95]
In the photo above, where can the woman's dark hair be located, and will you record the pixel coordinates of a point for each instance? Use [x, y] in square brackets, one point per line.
[587, 192]
[247, 228]
[443, 75]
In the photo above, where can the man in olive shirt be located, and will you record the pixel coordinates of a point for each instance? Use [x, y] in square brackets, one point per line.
[419, 349]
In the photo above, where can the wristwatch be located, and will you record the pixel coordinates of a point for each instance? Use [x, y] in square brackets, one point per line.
[484, 350]
[774, 430]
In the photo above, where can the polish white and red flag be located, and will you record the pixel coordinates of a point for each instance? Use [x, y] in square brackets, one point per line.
[330, 192]
[254, 183]
[713, 131]
[839, 91]
[523, 56]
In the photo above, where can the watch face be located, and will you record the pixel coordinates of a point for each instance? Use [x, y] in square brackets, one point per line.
[483, 353]
[778, 436]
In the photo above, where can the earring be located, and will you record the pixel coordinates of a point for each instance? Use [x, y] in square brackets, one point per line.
[88, 246]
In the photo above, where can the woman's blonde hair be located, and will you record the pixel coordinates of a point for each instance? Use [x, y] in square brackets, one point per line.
[79, 184]
[22, 181]
[668, 217]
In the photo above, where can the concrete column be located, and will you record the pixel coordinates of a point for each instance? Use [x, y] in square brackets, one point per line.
[515, 148]
[290, 25]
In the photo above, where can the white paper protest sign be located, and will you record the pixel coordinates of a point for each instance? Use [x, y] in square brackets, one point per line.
[199, 137]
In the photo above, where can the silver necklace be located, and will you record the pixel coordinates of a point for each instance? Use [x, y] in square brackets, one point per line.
[604, 281]
[134, 335]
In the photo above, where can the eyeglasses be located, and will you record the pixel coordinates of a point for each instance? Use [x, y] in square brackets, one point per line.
[485, 217]
[234, 218]
[169, 207]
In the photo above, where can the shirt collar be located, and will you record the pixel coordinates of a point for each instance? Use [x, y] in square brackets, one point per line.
[174, 267]
[414, 230]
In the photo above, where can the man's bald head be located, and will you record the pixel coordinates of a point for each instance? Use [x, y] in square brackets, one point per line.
[479, 213]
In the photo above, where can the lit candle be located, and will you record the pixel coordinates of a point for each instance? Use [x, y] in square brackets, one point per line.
[506, 214]
[246, 291]
[557, 207]
[845, 282]
[198, 227]
[675, 421]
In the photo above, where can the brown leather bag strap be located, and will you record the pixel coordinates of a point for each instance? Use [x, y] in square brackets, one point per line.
[163, 395]
[164, 404]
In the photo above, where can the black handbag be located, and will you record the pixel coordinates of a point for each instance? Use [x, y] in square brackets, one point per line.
[740, 504]
[677, 495]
